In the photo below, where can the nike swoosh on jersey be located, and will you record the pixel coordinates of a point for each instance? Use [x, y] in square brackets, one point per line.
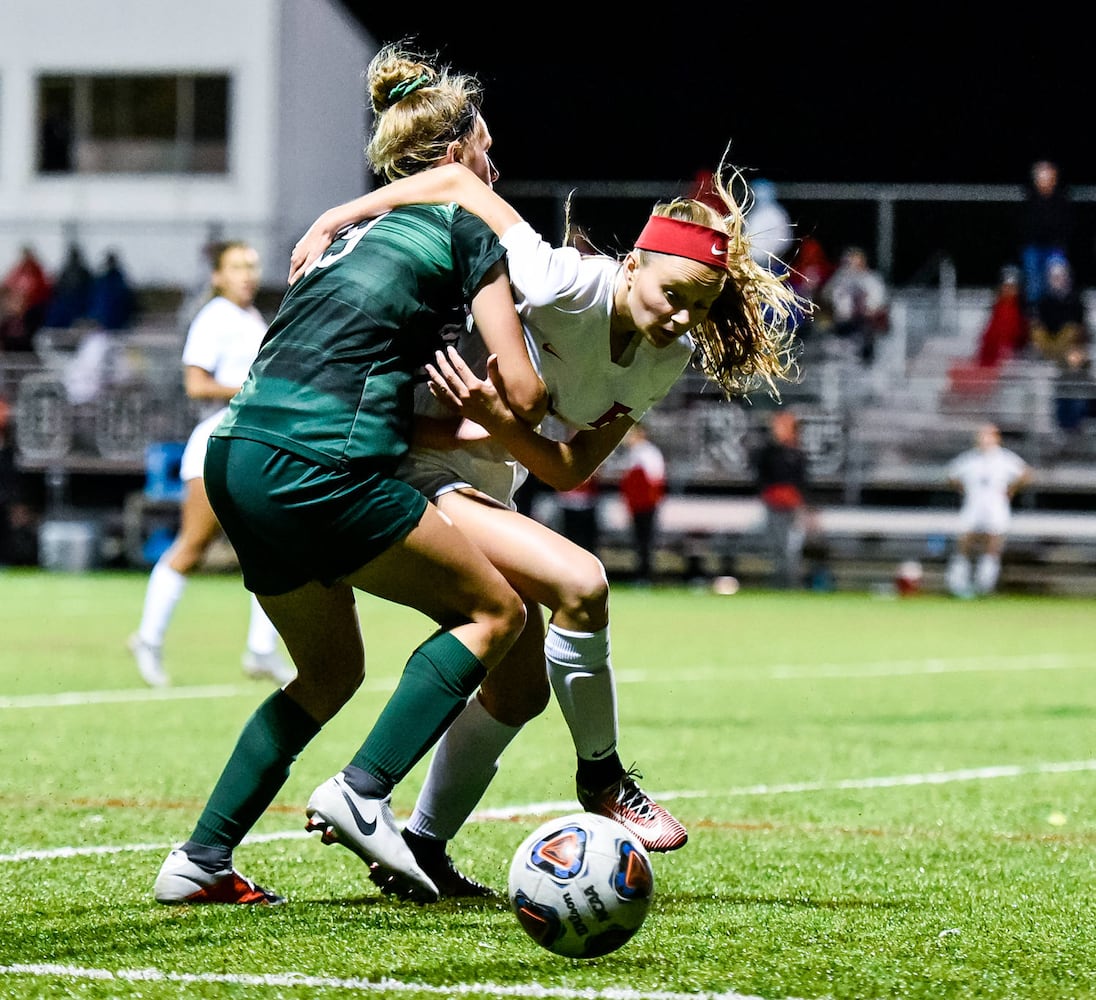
[366, 828]
[550, 349]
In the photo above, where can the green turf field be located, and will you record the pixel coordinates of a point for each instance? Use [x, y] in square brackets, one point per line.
[885, 798]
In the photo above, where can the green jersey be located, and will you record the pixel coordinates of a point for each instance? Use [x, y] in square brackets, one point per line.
[334, 379]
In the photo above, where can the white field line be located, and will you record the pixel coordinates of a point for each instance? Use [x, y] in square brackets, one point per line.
[885, 668]
[890, 668]
[384, 985]
[556, 806]
[70, 699]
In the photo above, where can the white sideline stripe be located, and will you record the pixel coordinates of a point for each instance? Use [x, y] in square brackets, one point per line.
[896, 781]
[80, 852]
[885, 668]
[972, 664]
[67, 699]
[892, 668]
[384, 985]
[539, 808]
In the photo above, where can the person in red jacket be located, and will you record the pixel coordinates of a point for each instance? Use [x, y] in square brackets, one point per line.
[781, 467]
[642, 488]
[1006, 331]
[24, 295]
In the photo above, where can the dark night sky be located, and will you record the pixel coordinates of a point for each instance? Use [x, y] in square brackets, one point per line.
[799, 96]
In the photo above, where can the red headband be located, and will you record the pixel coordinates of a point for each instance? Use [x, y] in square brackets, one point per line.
[684, 239]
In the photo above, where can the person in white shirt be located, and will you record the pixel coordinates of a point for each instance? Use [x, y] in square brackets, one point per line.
[610, 338]
[769, 227]
[221, 343]
[987, 476]
[859, 302]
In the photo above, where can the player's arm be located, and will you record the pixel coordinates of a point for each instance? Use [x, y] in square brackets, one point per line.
[451, 182]
[562, 465]
[1022, 480]
[497, 321]
[200, 384]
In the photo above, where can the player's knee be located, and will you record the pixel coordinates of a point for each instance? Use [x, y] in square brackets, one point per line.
[507, 616]
[584, 599]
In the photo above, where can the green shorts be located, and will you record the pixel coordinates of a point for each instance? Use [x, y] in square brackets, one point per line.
[292, 521]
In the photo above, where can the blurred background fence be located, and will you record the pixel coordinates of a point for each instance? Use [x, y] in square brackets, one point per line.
[878, 435]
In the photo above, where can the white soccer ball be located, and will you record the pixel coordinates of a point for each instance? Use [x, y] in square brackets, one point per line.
[581, 885]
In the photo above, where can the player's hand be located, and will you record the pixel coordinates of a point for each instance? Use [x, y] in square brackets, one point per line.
[476, 399]
[309, 249]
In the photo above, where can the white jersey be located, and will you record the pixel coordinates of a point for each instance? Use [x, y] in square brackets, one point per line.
[986, 478]
[223, 339]
[564, 300]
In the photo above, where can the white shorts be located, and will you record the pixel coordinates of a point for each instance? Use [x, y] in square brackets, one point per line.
[192, 465]
[484, 466]
[988, 515]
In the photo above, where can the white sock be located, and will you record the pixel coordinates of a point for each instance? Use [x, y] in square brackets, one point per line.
[262, 636]
[165, 587]
[985, 577]
[958, 578]
[582, 678]
[464, 762]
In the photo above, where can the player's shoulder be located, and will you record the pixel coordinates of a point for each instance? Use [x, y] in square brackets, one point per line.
[211, 314]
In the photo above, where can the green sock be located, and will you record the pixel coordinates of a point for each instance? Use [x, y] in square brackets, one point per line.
[438, 678]
[271, 740]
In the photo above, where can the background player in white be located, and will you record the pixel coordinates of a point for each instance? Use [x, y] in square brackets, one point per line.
[611, 338]
[987, 476]
[221, 343]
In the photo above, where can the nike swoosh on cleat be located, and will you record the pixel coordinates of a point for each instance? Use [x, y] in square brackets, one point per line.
[366, 828]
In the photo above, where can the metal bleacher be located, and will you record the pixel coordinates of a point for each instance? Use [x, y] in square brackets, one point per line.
[878, 439]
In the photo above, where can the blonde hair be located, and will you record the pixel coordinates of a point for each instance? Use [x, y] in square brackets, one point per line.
[417, 111]
[747, 341]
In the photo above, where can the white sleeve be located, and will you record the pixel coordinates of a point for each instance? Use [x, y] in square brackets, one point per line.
[203, 345]
[540, 273]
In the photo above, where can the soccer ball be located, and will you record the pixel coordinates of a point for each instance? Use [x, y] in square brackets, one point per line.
[581, 885]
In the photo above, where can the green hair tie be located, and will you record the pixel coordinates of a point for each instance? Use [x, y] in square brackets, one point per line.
[401, 90]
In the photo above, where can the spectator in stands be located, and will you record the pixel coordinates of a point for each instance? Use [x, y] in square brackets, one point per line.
[811, 268]
[643, 488]
[769, 228]
[98, 354]
[71, 299]
[1058, 324]
[858, 300]
[581, 519]
[781, 469]
[1075, 390]
[987, 477]
[113, 302]
[24, 297]
[1005, 334]
[1046, 228]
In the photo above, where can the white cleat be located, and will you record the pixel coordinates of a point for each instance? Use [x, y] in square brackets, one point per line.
[149, 661]
[368, 828]
[181, 881]
[269, 665]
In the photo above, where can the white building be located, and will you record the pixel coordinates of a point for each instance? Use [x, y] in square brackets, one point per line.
[151, 126]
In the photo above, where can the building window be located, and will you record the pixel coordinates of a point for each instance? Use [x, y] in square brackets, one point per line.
[133, 124]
